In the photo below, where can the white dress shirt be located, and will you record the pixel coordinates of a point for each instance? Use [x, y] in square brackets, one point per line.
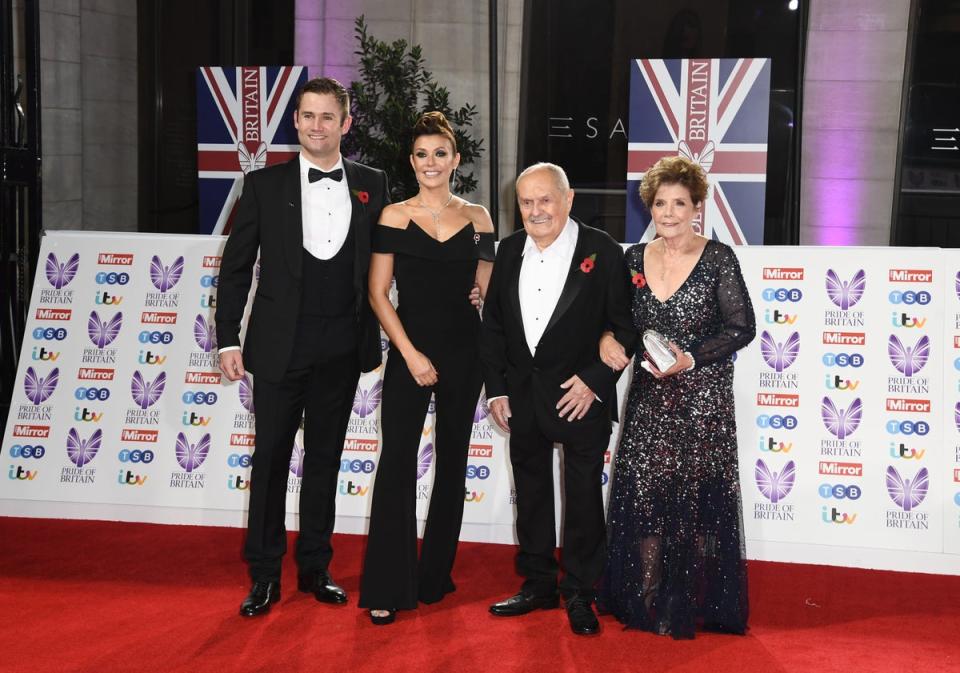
[543, 274]
[326, 209]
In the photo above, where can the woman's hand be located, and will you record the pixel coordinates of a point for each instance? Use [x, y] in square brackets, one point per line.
[421, 369]
[683, 363]
[612, 353]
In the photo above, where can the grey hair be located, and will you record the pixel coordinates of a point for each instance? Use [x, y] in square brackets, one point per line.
[559, 176]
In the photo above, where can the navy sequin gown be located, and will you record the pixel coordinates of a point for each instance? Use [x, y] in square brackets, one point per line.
[676, 551]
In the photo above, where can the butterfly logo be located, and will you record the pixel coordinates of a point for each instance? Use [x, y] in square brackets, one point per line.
[102, 334]
[845, 295]
[775, 486]
[424, 459]
[908, 361]
[841, 422]
[366, 401]
[482, 410]
[251, 161]
[39, 389]
[704, 158]
[165, 277]
[146, 393]
[82, 451]
[907, 493]
[296, 461]
[956, 284]
[204, 334]
[191, 456]
[956, 416]
[245, 391]
[59, 274]
[779, 356]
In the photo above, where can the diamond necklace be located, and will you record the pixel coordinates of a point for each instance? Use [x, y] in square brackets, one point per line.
[436, 213]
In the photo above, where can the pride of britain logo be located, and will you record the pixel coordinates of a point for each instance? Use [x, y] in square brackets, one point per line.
[774, 486]
[907, 494]
[908, 360]
[779, 356]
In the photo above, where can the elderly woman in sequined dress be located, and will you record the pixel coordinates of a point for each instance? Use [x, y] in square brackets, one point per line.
[676, 552]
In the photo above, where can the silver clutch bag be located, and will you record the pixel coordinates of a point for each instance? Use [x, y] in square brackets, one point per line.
[658, 350]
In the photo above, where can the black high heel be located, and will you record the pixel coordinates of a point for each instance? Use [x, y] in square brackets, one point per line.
[383, 620]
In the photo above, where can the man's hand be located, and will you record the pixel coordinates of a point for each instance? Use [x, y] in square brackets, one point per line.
[475, 297]
[231, 364]
[612, 352]
[500, 410]
[577, 400]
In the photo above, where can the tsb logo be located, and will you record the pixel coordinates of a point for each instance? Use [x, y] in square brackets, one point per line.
[112, 278]
[357, 466]
[895, 427]
[840, 491]
[791, 294]
[910, 297]
[92, 394]
[239, 460]
[136, 456]
[19, 451]
[155, 337]
[209, 281]
[199, 397]
[842, 359]
[777, 421]
[50, 334]
[477, 471]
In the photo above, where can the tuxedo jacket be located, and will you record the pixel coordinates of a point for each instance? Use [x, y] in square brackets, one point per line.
[268, 219]
[592, 300]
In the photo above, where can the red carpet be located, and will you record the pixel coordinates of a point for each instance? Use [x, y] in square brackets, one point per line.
[99, 597]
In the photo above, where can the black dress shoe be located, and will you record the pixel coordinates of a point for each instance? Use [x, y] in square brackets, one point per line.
[322, 587]
[383, 620]
[522, 603]
[262, 595]
[583, 621]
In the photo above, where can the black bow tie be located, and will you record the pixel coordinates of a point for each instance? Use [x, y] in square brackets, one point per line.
[313, 175]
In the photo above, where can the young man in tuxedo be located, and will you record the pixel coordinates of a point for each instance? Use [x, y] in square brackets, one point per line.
[556, 287]
[310, 333]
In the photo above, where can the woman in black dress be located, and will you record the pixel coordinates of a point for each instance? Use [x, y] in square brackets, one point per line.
[676, 552]
[438, 246]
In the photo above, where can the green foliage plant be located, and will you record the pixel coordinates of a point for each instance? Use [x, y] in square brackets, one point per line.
[393, 90]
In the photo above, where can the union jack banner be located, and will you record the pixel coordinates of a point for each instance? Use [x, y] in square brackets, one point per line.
[244, 122]
[714, 112]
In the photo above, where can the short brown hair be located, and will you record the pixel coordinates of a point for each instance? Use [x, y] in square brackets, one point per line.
[433, 124]
[327, 85]
[674, 171]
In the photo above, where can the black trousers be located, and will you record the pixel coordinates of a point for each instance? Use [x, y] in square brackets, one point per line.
[320, 387]
[392, 577]
[584, 533]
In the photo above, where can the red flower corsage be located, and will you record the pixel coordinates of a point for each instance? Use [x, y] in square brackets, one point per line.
[637, 278]
[362, 197]
[588, 263]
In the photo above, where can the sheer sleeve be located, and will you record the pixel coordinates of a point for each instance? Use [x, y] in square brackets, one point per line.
[736, 312]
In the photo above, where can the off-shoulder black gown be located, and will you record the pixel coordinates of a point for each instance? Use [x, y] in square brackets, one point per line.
[676, 551]
[434, 280]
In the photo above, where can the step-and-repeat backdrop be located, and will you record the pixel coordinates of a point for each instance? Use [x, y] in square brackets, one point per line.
[848, 404]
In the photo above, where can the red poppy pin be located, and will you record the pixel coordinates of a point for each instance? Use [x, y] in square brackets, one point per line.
[588, 263]
[637, 278]
[362, 197]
